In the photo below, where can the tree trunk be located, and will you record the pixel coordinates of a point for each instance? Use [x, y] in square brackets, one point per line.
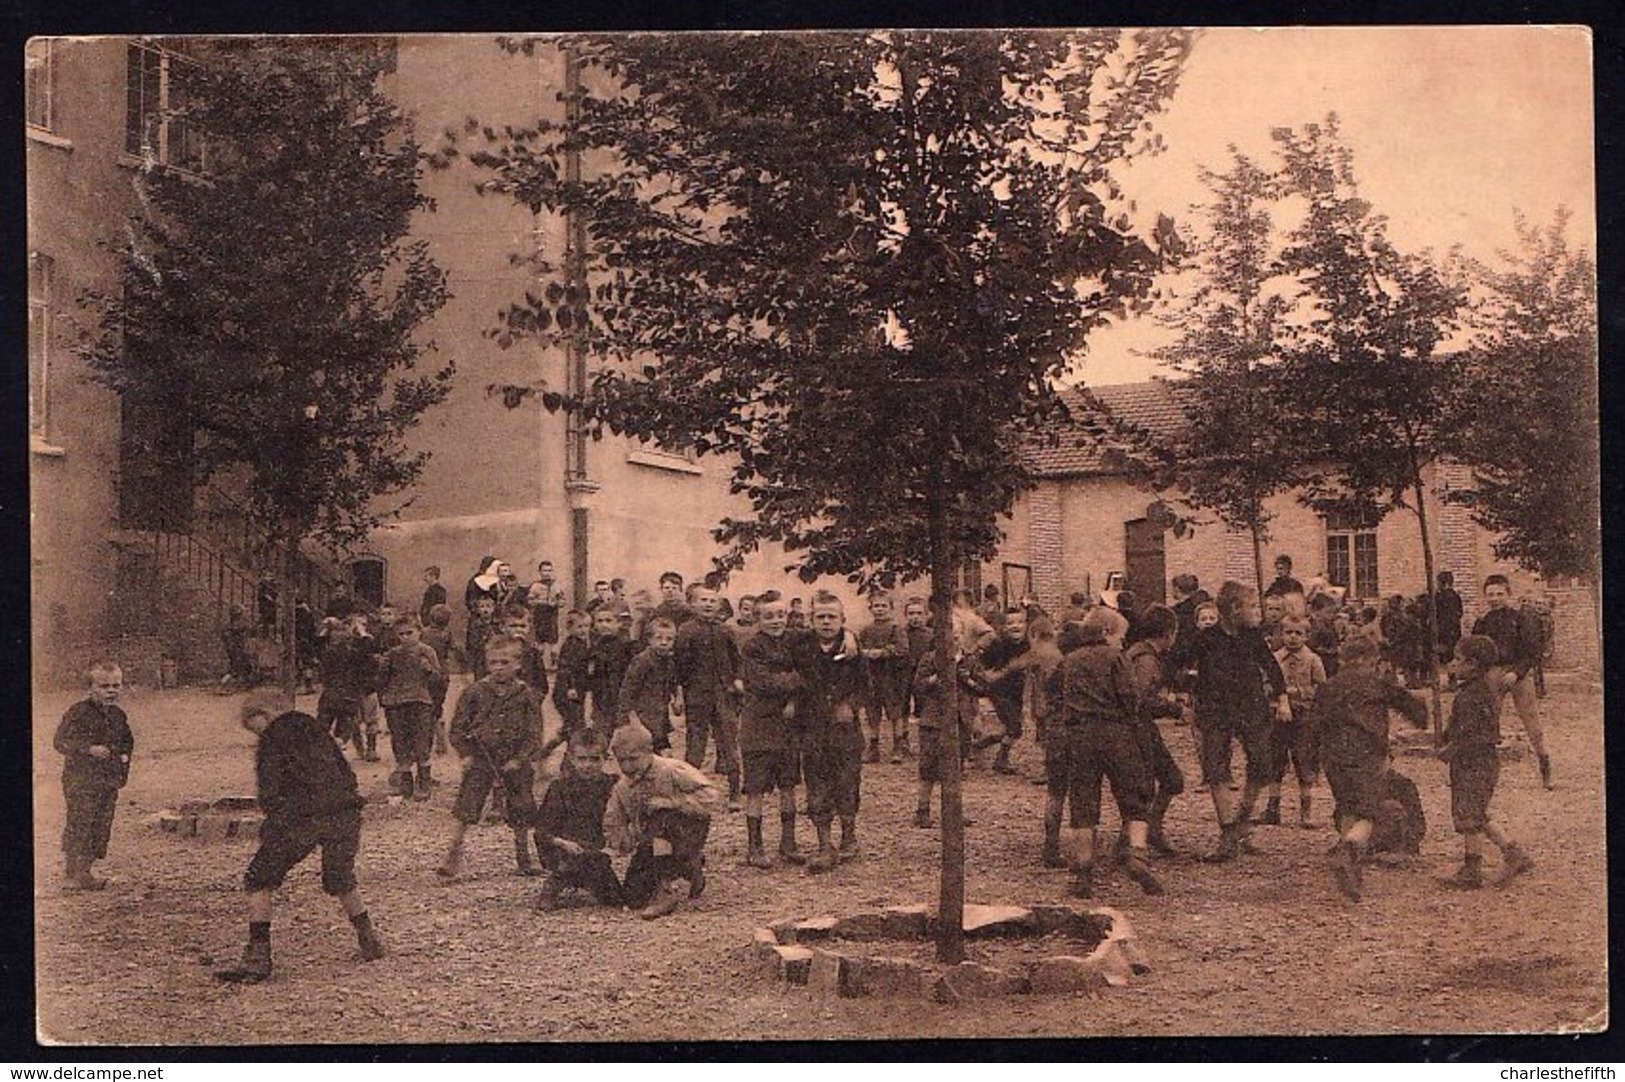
[1258, 559]
[288, 558]
[951, 899]
[1435, 702]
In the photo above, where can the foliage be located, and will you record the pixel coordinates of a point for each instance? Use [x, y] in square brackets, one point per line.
[1527, 414]
[853, 262]
[272, 302]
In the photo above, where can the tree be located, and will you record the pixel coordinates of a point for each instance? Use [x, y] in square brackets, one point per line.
[1372, 392]
[1526, 413]
[854, 263]
[272, 302]
[1231, 455]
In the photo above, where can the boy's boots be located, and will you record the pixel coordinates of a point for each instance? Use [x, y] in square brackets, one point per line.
[403, 783]
[254, 967]
[1228, 847]
[1514, 862]
[825, 859]
[1001, 761]
[1305, 803]
[788, 852]
[550, 896]
[849, 839]
[1346, 869]
[755, 855]
[79, 877]
[1136, 868]
[1546, 772]
[733, 792]
[1470, 876]
[1083, 882]
[1052, 842]
[452, 866]
[1272, 813]
[922, 817]
[524, 865]
[873, 754]
[1157, 841]
[371, 754]
[366, 938]
[424, 782]
[899, 744]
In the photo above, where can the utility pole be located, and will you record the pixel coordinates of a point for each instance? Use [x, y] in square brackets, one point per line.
[578, 485]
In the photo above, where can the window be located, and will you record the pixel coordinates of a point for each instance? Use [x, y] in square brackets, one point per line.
[1351, 553]
[40, 273]
[155, 127]
[39, 66]
[680, 460]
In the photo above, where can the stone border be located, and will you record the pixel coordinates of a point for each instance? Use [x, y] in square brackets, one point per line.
[240, 817]
[801, 952]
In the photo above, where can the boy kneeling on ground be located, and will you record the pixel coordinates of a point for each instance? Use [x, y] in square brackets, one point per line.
[660, 812]
[309, 795]
[570, 826]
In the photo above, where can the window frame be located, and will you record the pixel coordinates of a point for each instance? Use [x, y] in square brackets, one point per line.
[41, 286]
[39, 78]
[1359, 560]
[163, 137]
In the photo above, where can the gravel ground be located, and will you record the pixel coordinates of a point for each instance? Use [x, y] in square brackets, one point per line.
[1261, 946]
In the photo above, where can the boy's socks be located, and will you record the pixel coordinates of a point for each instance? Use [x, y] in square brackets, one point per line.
[755, 853]
[1514, 862]
[1546, 771]
[849, 839]
[1346, 869]
[1305, 803]
[1470, 876]
[788, 851]
[366, 937]
[259, 931]
[523, 864]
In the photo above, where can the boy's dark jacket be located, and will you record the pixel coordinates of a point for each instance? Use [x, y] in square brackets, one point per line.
[88, 723]
[573, 808]
[302, 773]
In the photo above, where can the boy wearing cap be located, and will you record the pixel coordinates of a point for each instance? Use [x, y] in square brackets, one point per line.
[1353, 709]
[1469, 746]
[308, 793]
[659, 811]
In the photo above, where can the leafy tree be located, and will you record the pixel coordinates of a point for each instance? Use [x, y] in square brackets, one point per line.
[1526, 416]
[1371, 392]
[852, 262]
[272, 302]
[1231, 455]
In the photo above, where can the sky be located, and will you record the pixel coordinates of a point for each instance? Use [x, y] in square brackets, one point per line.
[1453, 130]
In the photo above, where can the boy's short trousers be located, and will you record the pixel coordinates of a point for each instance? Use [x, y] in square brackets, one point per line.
[478, 778]
[1111, 751]
[284, 844]
[1297, 743]
[1472, 783]
[1217, 741]
[775, 770]
[89, 825]
[411, 731]
[1008, 712]
[1358, 786]
[1164, 768]
[832, 768]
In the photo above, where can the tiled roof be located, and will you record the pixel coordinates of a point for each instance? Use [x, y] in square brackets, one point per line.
[1152, 406]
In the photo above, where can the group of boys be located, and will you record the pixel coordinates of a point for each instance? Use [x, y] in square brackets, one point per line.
[785, 708]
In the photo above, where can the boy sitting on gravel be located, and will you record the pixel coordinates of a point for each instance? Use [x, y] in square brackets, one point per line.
[1353, 708]
[308, 793]
[1470, 741]
[570, 826]
[95, 743]
[660, 812]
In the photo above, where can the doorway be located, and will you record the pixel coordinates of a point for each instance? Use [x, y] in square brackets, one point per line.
[1145, 561]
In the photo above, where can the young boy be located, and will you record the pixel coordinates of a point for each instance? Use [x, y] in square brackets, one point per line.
[433, 593]
[1148, 669]
[797, 618]
[706, 659]
[545, 601]
[347, 677]
[766, 736]
[660, 812]
[672, 605]
[497, 730]
[1353, 708]
[1006, 684]
[438, 637]
[1099, 718]
[1517, 641]
[831, 669]
[407, 678]
[570, 826]
[649, 684]
[1469, 746]
[481, 626]
[1299, 739]
[1234, 667]
[532, 662]
[885, 652]
[95, 742]
[570, 681]
[607, 661]
[241, 671]
[931, 706]
[308, 793]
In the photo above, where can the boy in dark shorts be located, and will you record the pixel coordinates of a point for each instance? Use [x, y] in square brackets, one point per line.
[931, 703]
[831, 742]
[407, 678]
[649, 684]
[95, 743]
[1100, 726]
[308, 793]
[766, 738]
[1298, 741]
[885, 653]
[1148, 669]
[497, 729]
[347, 677]
[570, 826]
[607, 660]
[437, 633]
[1353, 709]
[1006, 683]
[660, 812]
[1469, 747]
[706, 658]
[570, 681]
